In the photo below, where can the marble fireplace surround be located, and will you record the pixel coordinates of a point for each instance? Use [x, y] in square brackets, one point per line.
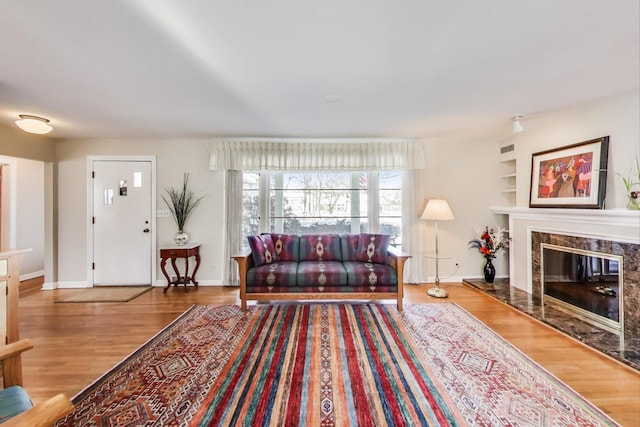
[630, 272]
[609, 231]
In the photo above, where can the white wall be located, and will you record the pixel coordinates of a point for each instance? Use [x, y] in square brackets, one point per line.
[466, 173]
[173, 158]
[463, 173]
[26, 204]
[20, 145]
[618, 117]
[30, 218]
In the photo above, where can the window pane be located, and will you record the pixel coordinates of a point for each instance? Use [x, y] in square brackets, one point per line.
[322, 202]
[250, 205]
[313, 202]
[390, 209]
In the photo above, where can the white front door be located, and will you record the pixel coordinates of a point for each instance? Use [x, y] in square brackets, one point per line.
[122, 196]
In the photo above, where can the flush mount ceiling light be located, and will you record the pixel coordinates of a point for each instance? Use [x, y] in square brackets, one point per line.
[33, 124]
[517, 127]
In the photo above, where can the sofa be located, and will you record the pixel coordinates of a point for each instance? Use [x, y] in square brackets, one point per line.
[320, 267]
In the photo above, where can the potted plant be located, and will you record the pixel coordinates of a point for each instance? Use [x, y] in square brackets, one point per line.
[489, 242]
[629, 184]
[182, 202]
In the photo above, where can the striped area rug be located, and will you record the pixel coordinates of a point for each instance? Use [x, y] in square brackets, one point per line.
[321, 365]
[326, 365]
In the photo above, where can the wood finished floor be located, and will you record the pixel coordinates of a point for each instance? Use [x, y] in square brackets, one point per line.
[75, 343]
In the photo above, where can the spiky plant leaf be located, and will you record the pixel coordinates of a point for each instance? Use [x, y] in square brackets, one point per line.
[182, 202]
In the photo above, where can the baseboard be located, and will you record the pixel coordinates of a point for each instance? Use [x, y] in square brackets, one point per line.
[49, 286]
[28, 276]
[163, 283]
[31, 285]
[454, 279]
[72, 285]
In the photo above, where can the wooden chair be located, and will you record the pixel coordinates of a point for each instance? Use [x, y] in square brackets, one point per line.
[16, 408]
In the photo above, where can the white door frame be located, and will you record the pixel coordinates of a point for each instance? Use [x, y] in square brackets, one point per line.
[90, 160]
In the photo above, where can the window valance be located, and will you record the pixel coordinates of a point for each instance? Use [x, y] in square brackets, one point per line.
[310, 155]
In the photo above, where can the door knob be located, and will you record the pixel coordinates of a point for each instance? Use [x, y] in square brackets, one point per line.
[146, 230]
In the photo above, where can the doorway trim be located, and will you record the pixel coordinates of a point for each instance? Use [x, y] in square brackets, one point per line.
[90, 160]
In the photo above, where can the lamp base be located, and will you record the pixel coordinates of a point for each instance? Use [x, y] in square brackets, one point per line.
[437, 292]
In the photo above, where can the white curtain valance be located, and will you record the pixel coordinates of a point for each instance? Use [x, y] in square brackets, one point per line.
[324, 155]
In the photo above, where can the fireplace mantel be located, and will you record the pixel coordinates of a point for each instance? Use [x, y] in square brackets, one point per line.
[620, 225]
[623, 217]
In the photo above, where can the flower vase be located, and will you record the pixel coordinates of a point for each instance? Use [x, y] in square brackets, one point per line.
[633, 203]
[489, 272]
[181, 238]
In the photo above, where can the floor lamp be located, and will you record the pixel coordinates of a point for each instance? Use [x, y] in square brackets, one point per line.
[437, 210]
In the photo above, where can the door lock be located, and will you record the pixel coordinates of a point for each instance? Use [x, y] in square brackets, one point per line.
[146, 230]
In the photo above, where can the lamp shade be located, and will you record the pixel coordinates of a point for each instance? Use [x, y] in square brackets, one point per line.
[33, 124]
[438, 210]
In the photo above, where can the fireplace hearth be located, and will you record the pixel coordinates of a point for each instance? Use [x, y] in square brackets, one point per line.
[614, 232]
[599, 339]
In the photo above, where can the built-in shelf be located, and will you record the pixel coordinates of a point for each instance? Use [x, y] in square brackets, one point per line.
[509, 174]
[508, 168]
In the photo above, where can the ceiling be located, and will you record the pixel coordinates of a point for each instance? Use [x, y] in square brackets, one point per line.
[203, 68]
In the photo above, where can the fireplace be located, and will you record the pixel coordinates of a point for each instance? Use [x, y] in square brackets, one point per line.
[604, 256]
[586, 284]
[612, 237]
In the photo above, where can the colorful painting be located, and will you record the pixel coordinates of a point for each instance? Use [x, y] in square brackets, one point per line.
[572, 176]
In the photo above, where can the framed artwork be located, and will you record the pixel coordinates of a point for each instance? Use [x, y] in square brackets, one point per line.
[574, 176]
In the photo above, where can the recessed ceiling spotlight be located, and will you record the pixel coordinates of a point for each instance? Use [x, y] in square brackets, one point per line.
[331, 98]
[33, 124]
[517, 127]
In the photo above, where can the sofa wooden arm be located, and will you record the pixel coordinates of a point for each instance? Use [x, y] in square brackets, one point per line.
[396, 260]
[43, 414]
[10, 355]
[245, 262]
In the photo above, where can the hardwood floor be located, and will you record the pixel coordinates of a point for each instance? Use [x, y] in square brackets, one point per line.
[75, 343]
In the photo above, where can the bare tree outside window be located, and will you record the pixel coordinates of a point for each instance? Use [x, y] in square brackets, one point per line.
[324, 202]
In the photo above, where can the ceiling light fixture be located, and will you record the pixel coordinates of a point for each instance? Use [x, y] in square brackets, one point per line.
[517, 127]
[33, 124]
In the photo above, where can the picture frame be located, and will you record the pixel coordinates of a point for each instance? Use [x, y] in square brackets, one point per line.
[574, 176]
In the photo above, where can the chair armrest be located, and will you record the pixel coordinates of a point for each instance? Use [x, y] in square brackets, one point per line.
[15, 348]
[44, 414]
[10, 355]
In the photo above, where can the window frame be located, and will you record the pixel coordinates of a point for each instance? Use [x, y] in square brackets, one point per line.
[373, 200]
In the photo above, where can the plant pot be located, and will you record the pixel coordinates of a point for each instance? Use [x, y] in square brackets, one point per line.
[634, 203]
[181, 238]
[489, 271]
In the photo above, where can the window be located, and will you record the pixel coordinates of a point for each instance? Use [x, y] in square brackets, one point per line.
[322, 202]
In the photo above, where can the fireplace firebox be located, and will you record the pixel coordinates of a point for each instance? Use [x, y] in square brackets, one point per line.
[586, 284]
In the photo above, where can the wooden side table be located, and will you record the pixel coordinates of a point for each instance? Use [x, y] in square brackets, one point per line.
[180, 252]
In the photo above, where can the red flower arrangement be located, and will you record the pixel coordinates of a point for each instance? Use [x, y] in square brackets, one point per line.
[489, 241]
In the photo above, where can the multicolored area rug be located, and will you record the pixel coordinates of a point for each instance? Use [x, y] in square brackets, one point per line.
[330, 364]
